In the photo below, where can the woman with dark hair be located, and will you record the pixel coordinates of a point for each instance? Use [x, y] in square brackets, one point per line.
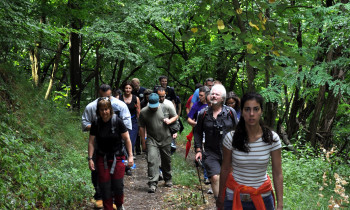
[244, 183]
[106, 134]
[133, 103]
[233, 101]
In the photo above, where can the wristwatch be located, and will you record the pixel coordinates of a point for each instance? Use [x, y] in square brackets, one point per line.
[89, 158]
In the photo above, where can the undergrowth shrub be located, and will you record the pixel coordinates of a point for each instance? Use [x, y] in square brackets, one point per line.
[42, 152]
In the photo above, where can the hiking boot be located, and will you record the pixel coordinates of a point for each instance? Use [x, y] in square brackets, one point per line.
[206, 181]
[128, 172]
[168, 183]
[210, 191]
[99, 204]
[152, 189]
[120, 208]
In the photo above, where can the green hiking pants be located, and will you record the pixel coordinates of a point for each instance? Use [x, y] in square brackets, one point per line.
[158, 156]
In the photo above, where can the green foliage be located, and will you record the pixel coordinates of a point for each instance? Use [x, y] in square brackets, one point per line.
[42, 160]
[303, 178]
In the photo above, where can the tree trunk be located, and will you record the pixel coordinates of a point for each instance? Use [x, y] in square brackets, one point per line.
[271, 107]
[249, 68]
[34, 53]
[298, 103]
[332, 102]
[120, 73]
[54, 69]
[35, 63]
[316, 116]
[75, 69]
[97, 69]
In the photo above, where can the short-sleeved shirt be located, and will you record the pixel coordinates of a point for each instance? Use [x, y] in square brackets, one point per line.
[108, 141]
[169, 93]
[250, 168]
[195, 97]
[139, 93]
[157, 130]
[198, 106]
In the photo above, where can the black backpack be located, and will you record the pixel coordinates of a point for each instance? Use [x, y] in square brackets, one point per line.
[121, 151]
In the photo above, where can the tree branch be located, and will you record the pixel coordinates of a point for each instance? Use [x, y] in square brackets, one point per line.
[170, 40]
[175, 79]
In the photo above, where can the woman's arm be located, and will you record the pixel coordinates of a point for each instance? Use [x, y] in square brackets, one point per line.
[191, 122]
[91, 149]
[277, 176]
[225, 171]
[126, 138]
[138, 107]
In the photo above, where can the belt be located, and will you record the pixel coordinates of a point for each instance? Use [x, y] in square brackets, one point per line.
[247, 198]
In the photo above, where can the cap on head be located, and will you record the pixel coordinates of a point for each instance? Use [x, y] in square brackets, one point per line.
[153, 101]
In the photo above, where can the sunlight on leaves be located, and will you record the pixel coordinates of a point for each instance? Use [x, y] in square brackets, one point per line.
[254, 26]
[275, 53]
[194, 30]
[250, 48]
[239, 11]
[221, 25]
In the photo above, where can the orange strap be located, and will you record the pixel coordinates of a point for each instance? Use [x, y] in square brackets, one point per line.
[255, 194]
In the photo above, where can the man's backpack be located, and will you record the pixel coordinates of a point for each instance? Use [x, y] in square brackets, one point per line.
[230, 110]
[175, 126]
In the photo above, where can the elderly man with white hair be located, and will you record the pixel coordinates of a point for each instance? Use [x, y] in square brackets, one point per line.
[213, 122]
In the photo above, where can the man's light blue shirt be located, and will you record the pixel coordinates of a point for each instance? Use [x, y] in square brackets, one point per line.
[89, 114]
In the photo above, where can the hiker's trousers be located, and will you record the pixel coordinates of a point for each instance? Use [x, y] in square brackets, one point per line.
[158, 156]
[111, 185]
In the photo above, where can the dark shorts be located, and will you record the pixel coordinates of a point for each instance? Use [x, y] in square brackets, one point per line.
[249, 205]
[212, 163]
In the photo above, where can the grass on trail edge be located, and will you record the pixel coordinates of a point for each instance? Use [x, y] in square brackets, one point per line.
[42, 150]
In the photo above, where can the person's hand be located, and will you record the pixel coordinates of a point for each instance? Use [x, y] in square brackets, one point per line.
[91, 165]
[130, 161]
[166, 121]
[198, 156]
[174, 135]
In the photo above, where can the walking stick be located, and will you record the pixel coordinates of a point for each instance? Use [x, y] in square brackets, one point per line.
[199, 162]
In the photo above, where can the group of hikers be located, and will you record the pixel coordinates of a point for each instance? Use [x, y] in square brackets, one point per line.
[231, 142]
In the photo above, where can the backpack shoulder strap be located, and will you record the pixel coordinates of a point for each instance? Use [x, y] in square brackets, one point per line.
[232, 114]
[204, 111]
[114, 123]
